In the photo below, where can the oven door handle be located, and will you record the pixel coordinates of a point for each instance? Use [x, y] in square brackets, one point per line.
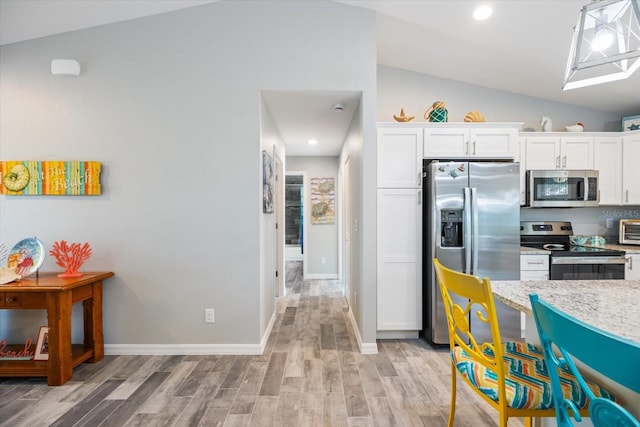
[588, 260]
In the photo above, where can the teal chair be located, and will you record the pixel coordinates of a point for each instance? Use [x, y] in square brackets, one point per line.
[611, 356]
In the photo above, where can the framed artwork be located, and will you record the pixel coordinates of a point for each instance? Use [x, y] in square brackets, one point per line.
[267, 183]
[323, 201]
[631, 123]
[42, 345]
[50, 178]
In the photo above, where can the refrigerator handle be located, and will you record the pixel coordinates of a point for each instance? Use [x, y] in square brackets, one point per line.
[474, 225]
[467, 230]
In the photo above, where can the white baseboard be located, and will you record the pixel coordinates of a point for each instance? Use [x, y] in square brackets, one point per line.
[397, 335]
[365, 348]
[189, 349]
[329, 276]
[180, 349]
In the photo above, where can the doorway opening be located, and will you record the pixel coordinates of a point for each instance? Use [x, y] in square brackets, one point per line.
[294, 216]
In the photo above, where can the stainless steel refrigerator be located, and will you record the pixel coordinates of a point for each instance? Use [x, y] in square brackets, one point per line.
[471, 224]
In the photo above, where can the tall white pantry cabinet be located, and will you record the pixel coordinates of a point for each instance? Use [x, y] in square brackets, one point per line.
[399, 230]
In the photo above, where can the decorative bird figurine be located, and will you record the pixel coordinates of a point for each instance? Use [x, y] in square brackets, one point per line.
[402, 117]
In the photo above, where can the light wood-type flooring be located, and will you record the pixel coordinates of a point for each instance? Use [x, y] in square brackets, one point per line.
[310, 374]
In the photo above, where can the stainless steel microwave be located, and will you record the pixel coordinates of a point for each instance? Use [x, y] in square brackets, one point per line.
[559, 188]
[629, 232]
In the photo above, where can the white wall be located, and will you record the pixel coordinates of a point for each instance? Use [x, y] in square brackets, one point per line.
[359, 151]
[417, 92]
[271, 142]
[321, 240]
[170, 105]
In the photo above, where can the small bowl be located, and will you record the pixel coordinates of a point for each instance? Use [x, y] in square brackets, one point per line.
[578, 240]
[578, 127]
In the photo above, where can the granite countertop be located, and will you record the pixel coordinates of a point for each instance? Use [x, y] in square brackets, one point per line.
[525, 250]
[630, 249]
[611, 305]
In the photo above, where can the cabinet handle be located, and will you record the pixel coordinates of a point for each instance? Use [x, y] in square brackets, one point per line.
[626, 196]
[474, 148]
[630, 262]
[564, 162]
[419, 197]
[11, 300]
[419, 179]
[466, 148]
[557, 162]
[535, 262]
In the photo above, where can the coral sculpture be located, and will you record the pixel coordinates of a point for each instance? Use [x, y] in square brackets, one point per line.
[70, 257]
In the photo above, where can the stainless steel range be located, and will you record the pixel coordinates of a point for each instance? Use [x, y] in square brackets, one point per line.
[570, 262]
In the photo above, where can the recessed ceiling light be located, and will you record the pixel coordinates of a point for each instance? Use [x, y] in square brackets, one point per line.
[312, 142]
[482, 12]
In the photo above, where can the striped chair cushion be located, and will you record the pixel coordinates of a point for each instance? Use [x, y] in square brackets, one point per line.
[527, 381]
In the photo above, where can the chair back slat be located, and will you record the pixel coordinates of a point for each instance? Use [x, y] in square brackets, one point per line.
[480, 304]
[612, 356]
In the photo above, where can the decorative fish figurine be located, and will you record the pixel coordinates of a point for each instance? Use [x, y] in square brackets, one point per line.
[402, 117]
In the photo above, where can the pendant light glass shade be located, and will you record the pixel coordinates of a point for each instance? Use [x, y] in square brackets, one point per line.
[606, 44]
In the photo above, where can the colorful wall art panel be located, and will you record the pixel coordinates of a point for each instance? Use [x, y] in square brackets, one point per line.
[323, 201]
[267, 183]
[50, 178]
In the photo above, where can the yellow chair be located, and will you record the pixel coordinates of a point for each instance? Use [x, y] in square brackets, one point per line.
[509, 376]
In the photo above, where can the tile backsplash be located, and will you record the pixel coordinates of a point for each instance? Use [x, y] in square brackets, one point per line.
[603, 221]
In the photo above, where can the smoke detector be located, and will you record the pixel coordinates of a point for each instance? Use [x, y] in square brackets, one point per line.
[338, 107]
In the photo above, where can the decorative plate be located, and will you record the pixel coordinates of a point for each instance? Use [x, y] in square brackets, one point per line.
[26, 256]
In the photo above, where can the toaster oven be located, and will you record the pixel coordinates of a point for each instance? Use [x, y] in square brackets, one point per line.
[629, 232]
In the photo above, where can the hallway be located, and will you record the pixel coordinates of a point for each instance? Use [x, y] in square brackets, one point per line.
[310, 374]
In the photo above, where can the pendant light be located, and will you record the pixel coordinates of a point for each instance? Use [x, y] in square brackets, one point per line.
[606, 44]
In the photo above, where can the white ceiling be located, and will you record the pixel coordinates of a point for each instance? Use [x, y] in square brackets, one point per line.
[521, 49]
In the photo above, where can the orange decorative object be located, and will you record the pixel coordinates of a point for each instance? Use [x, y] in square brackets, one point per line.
[70, 257]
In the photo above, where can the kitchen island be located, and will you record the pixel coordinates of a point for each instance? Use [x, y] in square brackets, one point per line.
[610, 305]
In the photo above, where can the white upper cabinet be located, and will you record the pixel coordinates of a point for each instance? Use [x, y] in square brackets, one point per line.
[608, 162]
[559, 152]
[631, 169]
[399, 157]
[462, 141]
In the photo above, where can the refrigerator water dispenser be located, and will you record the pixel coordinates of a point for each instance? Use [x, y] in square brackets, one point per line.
[451, 228]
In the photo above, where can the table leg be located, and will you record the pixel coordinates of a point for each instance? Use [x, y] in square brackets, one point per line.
[60, 369]
[92, 309]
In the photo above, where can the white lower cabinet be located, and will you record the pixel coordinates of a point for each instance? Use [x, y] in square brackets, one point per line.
[632, 271]
[534, 267]
[399, 266]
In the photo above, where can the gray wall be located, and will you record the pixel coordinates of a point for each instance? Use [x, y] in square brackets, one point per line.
[170, 105]
[321, 240]
[416, 92]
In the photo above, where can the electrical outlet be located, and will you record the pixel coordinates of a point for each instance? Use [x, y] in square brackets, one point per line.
[209, 316]
[609, 222]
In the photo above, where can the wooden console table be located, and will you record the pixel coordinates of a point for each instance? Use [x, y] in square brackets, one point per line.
[57, 296]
